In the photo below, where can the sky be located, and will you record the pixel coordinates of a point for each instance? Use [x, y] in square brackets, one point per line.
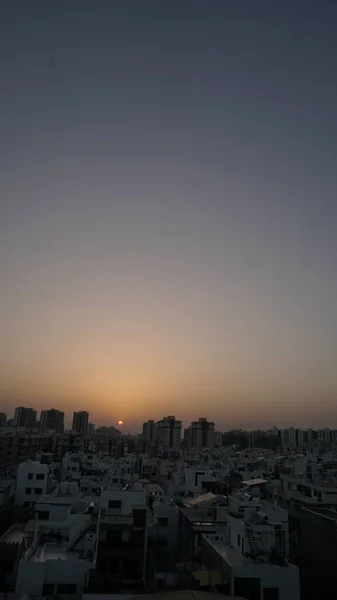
[168, 210]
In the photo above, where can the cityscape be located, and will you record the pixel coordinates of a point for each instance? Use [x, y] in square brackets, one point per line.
[243, 514]
[168, 331]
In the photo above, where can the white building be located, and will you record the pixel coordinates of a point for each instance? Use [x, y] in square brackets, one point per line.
[60, 555]
[31, 482]
[250, 550]
[55, 506]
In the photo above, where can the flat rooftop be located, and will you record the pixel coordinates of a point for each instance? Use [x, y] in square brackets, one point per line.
[55, 551]
[14, 534]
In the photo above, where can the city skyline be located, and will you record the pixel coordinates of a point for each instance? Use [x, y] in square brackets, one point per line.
[168, 231]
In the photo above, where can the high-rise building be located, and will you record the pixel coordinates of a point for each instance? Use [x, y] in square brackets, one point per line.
[285, 438]
[292, 437]
[168, 432]
[24, 417]
[202, 434]
[91, 428]
[218, 439]
[300, 438]
[3, 419]
[149, 429]
[80, 422]
[52, 420]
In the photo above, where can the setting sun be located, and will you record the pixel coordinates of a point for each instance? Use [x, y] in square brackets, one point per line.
[120, 422]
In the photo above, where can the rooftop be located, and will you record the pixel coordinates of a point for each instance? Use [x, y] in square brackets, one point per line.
[255, 481]
[14, 534]
[234, 558]
[200, 499]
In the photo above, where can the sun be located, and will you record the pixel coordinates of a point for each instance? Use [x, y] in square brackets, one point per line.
[120, 422]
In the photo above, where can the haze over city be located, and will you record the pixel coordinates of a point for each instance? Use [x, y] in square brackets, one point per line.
[168, 210]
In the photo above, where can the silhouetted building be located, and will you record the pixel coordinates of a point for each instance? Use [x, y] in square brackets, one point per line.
[80, 422]
[52, 420]
[24, 417]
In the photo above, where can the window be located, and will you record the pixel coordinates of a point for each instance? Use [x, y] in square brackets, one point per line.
[38, 491]
[28, 490]
[239, 540]
[30, 475]
[40, 476]
[66, 588]
[43, 515]
[115, 504]
[163, 521]
[48, 588]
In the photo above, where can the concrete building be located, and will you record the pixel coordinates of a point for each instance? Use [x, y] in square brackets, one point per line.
[149, 430]
[168, 432]
[24, 417]
[52, 420]
[201, 434]
[60, 554]
[122, 541]
[91, 428]
[218, 439]
[80, 422]
[31, 482]
[3, 419]
[250, 549]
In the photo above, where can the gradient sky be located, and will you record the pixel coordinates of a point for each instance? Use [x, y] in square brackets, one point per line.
[168, 214]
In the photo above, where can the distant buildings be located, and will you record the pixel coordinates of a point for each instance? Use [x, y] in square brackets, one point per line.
[168, 432]
[52, 420]
[24, 417]
[3, 419]
[91, 428]
[200, 434]
[149, 430]
[81, 422]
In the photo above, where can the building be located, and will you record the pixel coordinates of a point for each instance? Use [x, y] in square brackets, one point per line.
[31, 482]
[91, 429]
[24, 417]
[149, 429]
[250, 549]
[122, 539]
[201, 434]
[59, 554]
[168, 432]
[218, 439]
[52, 420]
[80, 422]
[3, 419]
[314, 549]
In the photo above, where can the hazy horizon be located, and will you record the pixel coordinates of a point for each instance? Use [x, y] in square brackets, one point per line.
[168, 210]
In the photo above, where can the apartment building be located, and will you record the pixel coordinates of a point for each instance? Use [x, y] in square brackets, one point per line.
[122, 541]
[52, 420]
[200, 434]
[149, 430]
[168, 432]
[31, 482]
[80, 422]
[24, 417]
